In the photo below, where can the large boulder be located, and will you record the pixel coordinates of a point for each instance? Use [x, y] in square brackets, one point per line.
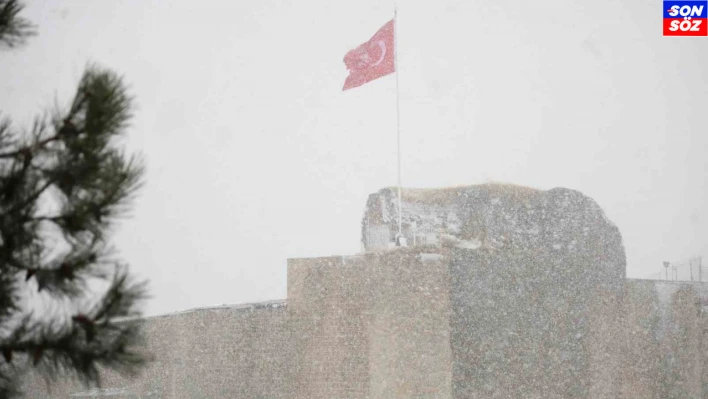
[497, 217]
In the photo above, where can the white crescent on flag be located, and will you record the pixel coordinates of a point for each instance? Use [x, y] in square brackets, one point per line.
[382, 45]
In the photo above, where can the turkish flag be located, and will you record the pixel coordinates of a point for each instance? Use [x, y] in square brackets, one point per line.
[372, 59]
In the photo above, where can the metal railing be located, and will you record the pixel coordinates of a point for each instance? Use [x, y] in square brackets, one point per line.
[692, 269]
[383, 236]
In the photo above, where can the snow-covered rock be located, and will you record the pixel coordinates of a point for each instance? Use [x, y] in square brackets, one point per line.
[486, 216]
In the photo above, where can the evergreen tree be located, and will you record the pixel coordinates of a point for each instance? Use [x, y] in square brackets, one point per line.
[68, 307]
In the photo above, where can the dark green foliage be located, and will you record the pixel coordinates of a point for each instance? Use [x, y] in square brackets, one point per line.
[14, 30]
[63, 184]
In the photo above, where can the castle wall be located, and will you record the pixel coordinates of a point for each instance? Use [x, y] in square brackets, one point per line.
[330, 342]
[663, 339]
[389, 314]
[537, 328]
[230, 352]
[524, 295]
[518, 326]
[408, 324]
[649, 341]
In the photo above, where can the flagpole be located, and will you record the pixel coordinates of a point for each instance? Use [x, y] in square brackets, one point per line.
[398, 118]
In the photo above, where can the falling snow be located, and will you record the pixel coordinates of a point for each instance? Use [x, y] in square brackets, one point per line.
[522, 295]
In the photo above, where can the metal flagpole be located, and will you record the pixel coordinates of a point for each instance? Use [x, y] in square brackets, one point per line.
[398, 119]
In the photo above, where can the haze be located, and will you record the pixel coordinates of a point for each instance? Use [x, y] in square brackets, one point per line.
[255, 155]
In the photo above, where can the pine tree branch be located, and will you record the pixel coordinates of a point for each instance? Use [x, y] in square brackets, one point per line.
[94, 338]
[32, 198]
[6, 135]
[14, 30]
[76, 350]
[120, 299]
[59, 194]
[30, 149]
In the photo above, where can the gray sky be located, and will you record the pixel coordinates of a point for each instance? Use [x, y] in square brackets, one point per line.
[255, 155]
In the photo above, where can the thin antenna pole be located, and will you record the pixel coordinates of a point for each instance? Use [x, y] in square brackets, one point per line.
[700, 271]
[398, 117]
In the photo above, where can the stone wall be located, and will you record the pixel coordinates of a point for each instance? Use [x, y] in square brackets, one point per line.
[229, 352]
[372, 326]
[526, 297]
[411, 324]
[536, 333]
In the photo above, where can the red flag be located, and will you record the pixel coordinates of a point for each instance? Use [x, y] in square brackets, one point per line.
[372, 59]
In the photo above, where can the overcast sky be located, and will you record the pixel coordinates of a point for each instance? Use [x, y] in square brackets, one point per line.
[255, 155]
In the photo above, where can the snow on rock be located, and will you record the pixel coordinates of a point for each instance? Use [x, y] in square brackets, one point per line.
[101, 393]
[486, 216]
